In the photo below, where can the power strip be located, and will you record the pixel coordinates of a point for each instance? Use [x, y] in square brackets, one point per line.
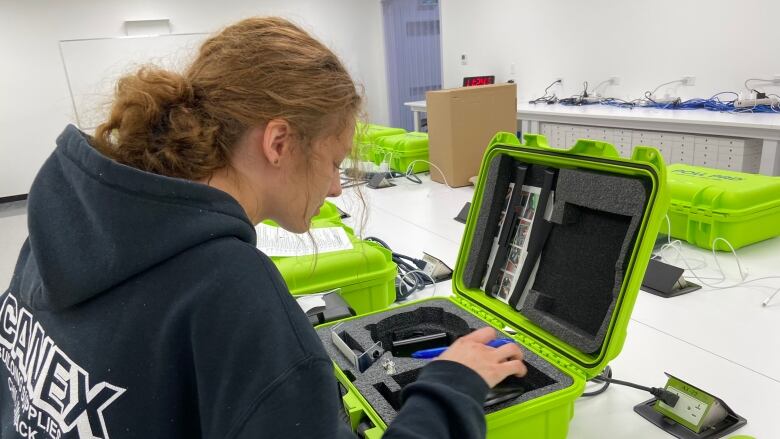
[591, 100]
[747, 103]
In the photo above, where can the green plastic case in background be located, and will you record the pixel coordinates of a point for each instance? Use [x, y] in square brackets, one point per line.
[365, 274]
[711, 203]
[366, 136]
[400, 150]
[548, 416]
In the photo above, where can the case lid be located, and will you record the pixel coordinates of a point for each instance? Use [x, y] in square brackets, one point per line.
[722, 192]
[647, 165]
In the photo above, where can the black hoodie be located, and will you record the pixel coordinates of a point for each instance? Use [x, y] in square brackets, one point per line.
[141, 308]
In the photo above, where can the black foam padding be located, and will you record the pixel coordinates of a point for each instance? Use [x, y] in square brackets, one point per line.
[494, 193]
[383, 391]
[500, 174]
[581, 269]
[419, 322]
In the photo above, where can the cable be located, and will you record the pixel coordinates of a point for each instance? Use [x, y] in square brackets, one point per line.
[713, 103]
[411, 175]
[596, 88]
[545, 98]
[716, 285]
[608, 372]
[410, 278]
[419, 286]
[580, 99]
[652, 94]
[770, 297]
[661, 394]
[769, 81]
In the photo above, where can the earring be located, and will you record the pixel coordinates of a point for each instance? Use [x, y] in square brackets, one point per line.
[276, 162]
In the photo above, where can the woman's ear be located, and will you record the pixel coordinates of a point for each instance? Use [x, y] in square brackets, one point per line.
[276, 141]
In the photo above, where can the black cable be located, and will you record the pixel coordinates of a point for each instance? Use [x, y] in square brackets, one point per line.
[410, 280]
[545, 98]
[664, 395]
[602, 389]
[550, 86]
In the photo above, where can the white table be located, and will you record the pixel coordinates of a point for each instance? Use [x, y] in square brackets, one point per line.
[703, 122]
[723, 341]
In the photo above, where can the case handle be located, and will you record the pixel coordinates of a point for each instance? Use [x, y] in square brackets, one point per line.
[536, 141]
[594, 148]
[650, 155]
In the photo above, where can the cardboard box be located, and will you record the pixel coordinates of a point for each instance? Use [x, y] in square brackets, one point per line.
[461, 123]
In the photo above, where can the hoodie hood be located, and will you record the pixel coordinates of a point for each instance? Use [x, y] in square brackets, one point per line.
[94, 223]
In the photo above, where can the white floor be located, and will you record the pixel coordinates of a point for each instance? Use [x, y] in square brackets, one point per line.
[13, 232]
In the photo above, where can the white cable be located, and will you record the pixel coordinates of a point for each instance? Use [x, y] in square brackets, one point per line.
[403, 279]
[770, 297]
[652, 94]
[387, 160]
[677, 245]
[715, 286]
[742, 273]
[410, 168]
[742, 282]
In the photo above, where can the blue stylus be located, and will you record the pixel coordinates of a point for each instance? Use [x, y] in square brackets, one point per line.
[435, 352]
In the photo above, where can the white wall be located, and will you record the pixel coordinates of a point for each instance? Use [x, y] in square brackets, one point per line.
[645, 42]
[34, 101]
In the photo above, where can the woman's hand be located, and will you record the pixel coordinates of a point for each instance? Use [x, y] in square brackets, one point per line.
[492, 364]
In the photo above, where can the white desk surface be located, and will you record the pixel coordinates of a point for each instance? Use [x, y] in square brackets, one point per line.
[758, 121]
[720, 340]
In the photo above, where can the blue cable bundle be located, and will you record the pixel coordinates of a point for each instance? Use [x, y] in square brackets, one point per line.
[714, 103]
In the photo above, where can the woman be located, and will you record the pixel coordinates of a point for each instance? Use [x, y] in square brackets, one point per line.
[140, 306]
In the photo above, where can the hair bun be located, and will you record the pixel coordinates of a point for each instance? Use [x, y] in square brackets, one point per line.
[157, 125]
[155, 90]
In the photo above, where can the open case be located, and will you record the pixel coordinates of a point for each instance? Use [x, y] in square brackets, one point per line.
[553, 255]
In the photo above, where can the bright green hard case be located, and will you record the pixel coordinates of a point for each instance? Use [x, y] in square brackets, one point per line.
[400, 150]
[548, 416]
[366, 137]
[364, 275]
[711, 203]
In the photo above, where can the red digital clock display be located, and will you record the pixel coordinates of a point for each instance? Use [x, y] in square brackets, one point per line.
[478, 80]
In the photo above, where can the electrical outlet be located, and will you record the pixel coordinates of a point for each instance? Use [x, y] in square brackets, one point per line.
[464, 59]
[559, 80]
[614, 80]
[688, 80]
[688, 407]
[512, 69]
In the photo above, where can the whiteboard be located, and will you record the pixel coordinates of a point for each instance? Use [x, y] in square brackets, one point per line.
[92, 67]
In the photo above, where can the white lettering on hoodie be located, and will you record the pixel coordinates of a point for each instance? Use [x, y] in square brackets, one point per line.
[52, 394]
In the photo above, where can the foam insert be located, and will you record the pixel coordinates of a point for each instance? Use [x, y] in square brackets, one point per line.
[581, 270]
[383, 391]
[496, 185]
[494, 192]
